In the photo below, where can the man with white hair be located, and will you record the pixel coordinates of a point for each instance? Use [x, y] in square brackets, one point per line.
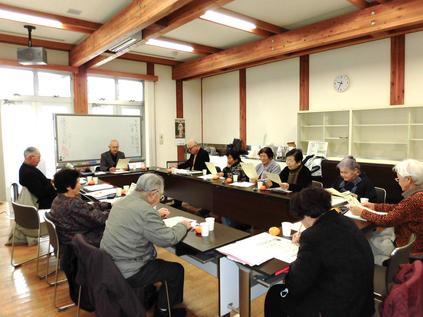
[110, 158]
[36, 182]
[132, 230]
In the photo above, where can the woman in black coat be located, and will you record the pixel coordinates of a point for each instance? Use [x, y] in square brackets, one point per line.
[333, 273]
[352, 179]
[295, 176]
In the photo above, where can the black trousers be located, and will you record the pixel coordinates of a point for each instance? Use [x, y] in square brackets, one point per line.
[160, 271]
[280, 302]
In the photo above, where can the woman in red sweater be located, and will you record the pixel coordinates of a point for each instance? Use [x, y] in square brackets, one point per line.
[407, 216]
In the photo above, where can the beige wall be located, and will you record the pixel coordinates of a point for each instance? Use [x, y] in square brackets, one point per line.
[221, 108]
[368, 69]
[414, 69]
[272, 103]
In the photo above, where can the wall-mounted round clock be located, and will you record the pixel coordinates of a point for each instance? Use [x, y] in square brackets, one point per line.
[341, 83]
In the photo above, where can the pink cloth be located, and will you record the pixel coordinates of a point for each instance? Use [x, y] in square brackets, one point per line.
[405, 298]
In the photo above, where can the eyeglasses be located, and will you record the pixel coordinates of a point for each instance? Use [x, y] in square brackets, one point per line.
[190, 148]
[397, 180]
[162, 197]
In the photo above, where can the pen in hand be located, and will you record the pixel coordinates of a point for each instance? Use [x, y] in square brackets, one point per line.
[296, 236]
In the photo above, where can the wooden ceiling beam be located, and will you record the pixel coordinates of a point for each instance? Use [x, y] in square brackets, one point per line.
[386, 17]
[19, 40]
[361, 4]
[183, 15]
[149, 59]
[93, 71]
[132, 19]
[69, 24]
[63, 68]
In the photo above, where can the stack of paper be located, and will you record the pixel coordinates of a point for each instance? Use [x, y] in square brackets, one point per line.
[95, 188]
[242, 184]
[170, 222]
[261, 248]
[102, 193]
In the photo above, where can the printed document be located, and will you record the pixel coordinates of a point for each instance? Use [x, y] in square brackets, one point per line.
[211, 168]
[249, 170]
[273, 177]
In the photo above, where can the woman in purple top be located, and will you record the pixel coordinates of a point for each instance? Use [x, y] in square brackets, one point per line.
[72, 215]
[267, 165]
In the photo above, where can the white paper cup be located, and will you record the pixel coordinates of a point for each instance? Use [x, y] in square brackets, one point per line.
[95, 179]
[259, 184]
[89, 178]
[204, 172]
[118, 192]
[134, 167]
[126, 188]
[210, 221]
[204, 229]
[173, 170]
[364, 200]
[286, 229]
[235, 177]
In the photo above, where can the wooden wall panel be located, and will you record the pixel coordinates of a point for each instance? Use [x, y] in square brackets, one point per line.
[180, 114]
[80, 88]
[397, 69]
[243, 108]
[304, 82]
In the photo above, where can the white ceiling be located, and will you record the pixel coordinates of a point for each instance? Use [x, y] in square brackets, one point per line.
[289, 14]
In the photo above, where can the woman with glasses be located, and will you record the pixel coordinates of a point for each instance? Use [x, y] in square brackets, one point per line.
[353, 180]
[267, 165]
[72, 215]
[295, 176]
[407, 216]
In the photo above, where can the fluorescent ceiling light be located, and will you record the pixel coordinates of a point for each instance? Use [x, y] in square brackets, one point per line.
[20, 17]
[122, 45]
[228, 20]
[173, 46]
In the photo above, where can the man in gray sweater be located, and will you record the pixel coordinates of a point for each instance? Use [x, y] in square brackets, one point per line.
[132, 230]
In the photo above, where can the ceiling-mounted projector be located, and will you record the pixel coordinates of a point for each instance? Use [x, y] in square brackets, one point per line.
[32, 55]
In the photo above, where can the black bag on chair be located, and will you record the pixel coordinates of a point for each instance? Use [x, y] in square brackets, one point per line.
[234, 146]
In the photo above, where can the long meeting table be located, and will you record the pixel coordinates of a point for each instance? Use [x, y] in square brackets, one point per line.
[262, 209]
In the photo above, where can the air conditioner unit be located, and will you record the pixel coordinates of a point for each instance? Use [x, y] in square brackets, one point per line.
[127, 42]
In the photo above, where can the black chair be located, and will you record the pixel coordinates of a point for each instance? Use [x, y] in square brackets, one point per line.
[27, 221]
[384, 276]
[54, 243]
[97, 272]
[381, 195]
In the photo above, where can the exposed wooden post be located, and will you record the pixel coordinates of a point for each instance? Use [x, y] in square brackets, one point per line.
[397, 69]
[304, 82]
[80, 89]
[150, 68]
[243, 108]
[180, 113]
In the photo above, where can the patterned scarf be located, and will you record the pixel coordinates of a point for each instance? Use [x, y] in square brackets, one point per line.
[350, 186]
[293, 175]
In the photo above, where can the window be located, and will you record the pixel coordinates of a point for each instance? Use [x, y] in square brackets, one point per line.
[16, 82]
[131, 111]
[102, 109]
[130, 90]
[101, 88]
[57, 85]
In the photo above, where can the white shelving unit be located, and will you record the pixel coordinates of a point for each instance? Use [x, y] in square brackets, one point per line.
[328, 126]
[383, 134]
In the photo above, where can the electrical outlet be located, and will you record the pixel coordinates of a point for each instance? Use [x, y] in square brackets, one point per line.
[161, 139]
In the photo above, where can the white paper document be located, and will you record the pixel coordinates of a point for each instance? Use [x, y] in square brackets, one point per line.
[170, 222]
[99, 173]
[296, 226]
[211, 168]
[317, 148]
[273, 177]
[249, 170]
[242, 184]
[122, 163]
[94, 188]
[261, 248]
[102, 193]
[351, 215]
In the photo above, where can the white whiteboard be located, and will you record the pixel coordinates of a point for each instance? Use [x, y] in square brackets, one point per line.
[85, 137]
